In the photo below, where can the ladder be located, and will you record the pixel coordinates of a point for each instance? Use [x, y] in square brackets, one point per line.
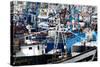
[59, 35]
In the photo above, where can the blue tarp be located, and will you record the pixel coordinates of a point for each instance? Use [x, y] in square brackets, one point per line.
[76, 37]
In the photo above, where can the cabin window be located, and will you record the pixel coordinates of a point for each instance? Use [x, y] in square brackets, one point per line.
[26, 38]
[38, 47]
[30, 48]
[42, 51]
